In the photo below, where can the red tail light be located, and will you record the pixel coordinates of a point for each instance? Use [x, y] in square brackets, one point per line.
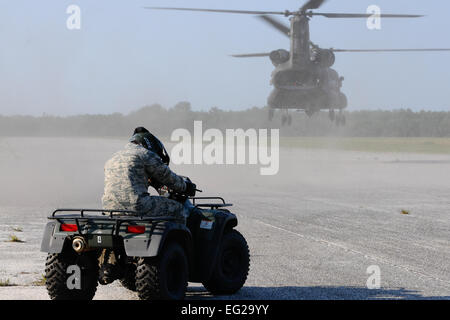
[136, 229]
[69, 227]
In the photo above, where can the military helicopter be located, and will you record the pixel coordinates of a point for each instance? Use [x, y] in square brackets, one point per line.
[303, 78]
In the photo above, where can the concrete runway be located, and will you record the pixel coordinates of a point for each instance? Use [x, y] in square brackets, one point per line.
[313, 229]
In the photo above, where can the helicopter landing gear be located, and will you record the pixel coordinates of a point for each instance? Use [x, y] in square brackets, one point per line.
[332, 115]
[271, 114]
[340, 118]
[286, 118]
[309, 112]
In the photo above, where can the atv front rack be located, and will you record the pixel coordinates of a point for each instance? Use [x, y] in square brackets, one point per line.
[210, 205]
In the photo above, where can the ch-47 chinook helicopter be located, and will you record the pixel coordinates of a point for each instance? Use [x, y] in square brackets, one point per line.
[303, 78]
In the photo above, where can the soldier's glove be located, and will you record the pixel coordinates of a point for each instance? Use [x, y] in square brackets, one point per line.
[190, 189]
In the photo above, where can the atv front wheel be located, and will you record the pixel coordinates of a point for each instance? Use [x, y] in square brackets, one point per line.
[57, 274]
[232, 265]
[164, 277]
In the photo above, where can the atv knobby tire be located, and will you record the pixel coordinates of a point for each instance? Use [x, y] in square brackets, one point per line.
[56, 275]
[232, 265]
[164, 277]
[129, 279]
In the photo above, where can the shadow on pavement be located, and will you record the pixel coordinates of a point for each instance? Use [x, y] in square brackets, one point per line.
[312, 293]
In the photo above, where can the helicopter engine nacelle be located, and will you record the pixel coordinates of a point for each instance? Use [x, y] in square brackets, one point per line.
[325, 58]
[279, 56]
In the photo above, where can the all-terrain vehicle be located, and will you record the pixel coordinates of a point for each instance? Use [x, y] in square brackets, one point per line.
[154, 256]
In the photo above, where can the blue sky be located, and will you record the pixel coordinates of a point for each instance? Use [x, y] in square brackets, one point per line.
[125, 57]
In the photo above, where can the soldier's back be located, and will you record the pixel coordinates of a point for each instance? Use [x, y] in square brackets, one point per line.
[125, 179]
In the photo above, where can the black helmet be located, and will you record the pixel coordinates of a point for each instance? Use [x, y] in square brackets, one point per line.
[143, 137]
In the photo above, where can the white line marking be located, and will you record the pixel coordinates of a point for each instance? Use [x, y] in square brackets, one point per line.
[366, 256]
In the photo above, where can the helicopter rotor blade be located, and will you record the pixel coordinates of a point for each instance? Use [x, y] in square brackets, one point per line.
[392, 50]
[276, 24]
[251, 55]
[363, 15]
[220, 10]
[312, 4]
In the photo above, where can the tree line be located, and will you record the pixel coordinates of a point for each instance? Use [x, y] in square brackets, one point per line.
[162, 121]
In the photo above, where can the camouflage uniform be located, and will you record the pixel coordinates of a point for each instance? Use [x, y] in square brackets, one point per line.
[126, 183]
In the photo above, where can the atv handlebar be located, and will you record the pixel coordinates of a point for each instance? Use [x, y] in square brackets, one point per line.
[172, 194]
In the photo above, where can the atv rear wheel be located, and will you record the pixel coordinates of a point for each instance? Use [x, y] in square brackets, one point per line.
[57, 275]
[129, 279]
[232, 265]
[164, 277]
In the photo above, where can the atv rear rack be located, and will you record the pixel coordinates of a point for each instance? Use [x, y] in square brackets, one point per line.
[108, 215]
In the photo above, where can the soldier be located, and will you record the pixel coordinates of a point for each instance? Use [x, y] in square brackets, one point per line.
[128, 175]
[129, 172]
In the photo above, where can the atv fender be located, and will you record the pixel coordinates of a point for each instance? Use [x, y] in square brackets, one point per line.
[51, 242]
[208, 244]
[151, 244]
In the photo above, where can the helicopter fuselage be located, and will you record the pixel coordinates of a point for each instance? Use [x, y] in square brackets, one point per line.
[303, 78]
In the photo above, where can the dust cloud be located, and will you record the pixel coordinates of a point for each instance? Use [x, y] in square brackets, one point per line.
[348, 197]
